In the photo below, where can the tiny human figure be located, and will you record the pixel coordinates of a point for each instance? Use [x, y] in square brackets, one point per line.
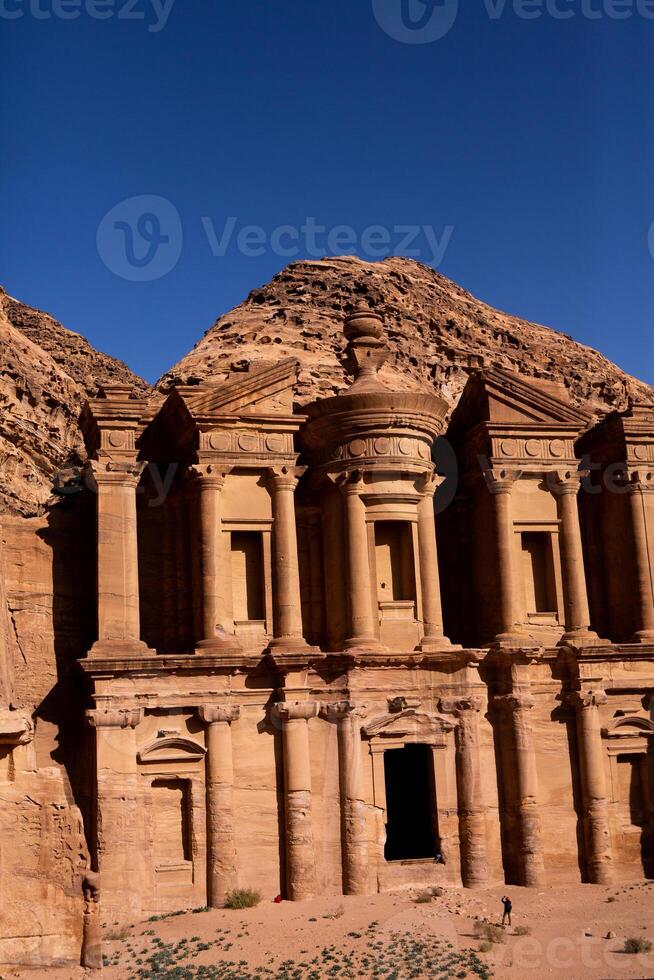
[508, 907]
[439, 858]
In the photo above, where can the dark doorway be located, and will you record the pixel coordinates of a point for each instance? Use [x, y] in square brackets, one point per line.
[412, 828]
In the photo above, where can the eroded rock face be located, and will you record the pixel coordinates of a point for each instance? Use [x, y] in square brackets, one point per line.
[438, 334]
[46, 375]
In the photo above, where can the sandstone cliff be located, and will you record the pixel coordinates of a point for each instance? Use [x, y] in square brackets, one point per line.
[46, 373]
[437, 331]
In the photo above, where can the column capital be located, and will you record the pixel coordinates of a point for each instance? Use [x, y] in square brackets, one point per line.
[500, 480]
[108, 472]
[429, 482]
[460, 705]
[561, 482]
[114, 717]
[512, 703]
[340, 710]
[284, 477]
[640, 480]
[296, 710]
[211, 475]
[212, 714]
[352, 483]
[590, 697]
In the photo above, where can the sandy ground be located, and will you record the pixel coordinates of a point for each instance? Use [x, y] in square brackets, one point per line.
[388, 936]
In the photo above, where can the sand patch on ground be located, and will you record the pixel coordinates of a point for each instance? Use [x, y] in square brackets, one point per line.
[390, 936]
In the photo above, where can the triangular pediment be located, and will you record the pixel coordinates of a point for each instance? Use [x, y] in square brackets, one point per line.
[504, 398]
[264, 390]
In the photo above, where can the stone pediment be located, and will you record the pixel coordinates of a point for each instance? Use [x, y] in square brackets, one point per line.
[266, 390]
[173, 748]
[506, 399]
[628, 725]
[410, 725]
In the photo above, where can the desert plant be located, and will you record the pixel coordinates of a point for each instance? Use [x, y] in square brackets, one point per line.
[122, 932]
[639, 945]
[485, 946]
[338, 913]
[522, 931]
[422, 898]
[489, 931]
[242, 898]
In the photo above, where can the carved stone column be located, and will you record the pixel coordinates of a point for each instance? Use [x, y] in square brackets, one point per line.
[300, 854]
[119, 631]
[287, 619]
[91, 955]
[221, 847]
[500, 483]
[434, 638]
[209, 482]
[575, 595]
[597, 836]
[354, 834]
[120, 852]
[529, 856]
[639, 490]
[363, 633]
[472, 824]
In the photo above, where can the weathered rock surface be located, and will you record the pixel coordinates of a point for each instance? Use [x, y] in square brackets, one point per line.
[46, 374]
[437, 331]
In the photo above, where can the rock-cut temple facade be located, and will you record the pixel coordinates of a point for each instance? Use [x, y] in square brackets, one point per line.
[334, 650]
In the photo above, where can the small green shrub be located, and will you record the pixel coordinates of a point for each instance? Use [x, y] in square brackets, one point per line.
[242, 898]
[637, 946]
[522, 931]
[437, 891]
[423, 898]
[485, 946]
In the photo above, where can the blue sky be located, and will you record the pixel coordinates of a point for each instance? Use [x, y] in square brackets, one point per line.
[524, 146]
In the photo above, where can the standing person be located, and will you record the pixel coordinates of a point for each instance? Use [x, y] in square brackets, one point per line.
[508, 907]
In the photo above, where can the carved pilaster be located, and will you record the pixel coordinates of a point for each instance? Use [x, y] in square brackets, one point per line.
[115, 483]
[363, 634]
[500, 483]
[434, 638]
[354, 835]
[597, 836]
[221, 845]
[287, 619]
[640, 491]
[565, 484]
[120, 853]
[300, 854]
[521, 783]
[209, 480]
[472, 822]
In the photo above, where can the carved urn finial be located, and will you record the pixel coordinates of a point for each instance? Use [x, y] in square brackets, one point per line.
[363, 323]
[366, 350]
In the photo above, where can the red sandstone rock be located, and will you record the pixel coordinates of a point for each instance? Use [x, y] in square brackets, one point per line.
[437, 332]
[46, 375]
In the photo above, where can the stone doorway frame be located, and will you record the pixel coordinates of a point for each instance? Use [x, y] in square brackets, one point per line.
[405, 724]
